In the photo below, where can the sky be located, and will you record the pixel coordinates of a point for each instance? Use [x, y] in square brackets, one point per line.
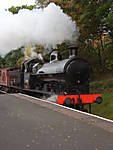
[4, 4]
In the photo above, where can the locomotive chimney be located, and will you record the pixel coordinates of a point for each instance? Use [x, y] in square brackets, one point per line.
[73, 51]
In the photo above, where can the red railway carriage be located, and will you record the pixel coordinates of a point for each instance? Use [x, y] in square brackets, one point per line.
[9, 77]
[4, 77]
[15, 77]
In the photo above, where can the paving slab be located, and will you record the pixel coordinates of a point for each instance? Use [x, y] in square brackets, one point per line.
[27, 124]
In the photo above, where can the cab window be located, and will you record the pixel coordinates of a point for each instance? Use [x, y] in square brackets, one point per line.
[53, 57]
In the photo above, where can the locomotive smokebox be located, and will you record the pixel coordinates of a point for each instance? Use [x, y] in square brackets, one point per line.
[77, 71]
[73, 51]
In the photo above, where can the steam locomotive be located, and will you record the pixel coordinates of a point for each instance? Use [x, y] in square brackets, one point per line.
[68, 78]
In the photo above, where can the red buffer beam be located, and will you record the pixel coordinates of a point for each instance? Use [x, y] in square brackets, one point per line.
[80, 99]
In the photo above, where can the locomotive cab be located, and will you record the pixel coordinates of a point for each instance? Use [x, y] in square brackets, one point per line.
[55, 56]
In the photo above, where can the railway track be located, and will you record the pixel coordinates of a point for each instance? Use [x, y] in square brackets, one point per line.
[14, 89]
[2, 92]
[47, 96]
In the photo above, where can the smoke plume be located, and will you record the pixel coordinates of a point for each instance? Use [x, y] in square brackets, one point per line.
[48, 27]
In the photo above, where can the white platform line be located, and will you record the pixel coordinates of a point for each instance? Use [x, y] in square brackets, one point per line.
[95, 116]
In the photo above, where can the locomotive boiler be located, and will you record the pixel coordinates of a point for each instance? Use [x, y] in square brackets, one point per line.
[69, 75]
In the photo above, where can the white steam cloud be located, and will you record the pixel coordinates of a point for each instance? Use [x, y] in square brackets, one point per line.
[48, 27]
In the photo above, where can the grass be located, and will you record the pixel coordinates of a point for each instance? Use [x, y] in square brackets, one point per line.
[105, 87]
[106, 108]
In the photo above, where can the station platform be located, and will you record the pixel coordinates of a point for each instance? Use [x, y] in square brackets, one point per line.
[28, 123]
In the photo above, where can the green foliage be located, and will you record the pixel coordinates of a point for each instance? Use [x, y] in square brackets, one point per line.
[103, 85]
[41, 3]
[12, 58]
[15, 10]
[109, 22]
[64, 49]
[1, 62]
[97, 21]
[106, 108]
[109, 64]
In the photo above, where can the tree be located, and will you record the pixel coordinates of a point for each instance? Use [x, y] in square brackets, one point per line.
[96, 26]
[109, 21]
[1, 62]
[12, 58]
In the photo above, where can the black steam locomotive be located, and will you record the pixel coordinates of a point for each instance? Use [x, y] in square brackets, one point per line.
[68, 78]
[58, 76]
